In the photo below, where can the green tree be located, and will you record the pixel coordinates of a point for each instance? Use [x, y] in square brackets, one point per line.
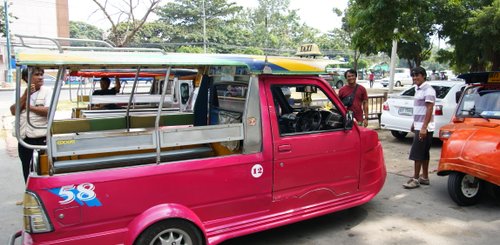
[472, 28]
[277, 28]
[82, 30]
[2, 21]
[372, 24]
[186, 18]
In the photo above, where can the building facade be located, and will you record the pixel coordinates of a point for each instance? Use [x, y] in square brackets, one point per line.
[47, 18]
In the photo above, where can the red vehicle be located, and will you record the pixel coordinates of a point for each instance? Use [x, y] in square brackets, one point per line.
[471, 142]
[267, 143]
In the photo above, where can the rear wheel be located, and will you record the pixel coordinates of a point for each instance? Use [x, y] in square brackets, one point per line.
[398, 84]
[170, 232]
[398, 134]
[464, 189]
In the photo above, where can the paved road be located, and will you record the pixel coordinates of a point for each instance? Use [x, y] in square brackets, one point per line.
[396, 216]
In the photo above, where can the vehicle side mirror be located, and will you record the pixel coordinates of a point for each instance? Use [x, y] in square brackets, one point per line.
[348, 120]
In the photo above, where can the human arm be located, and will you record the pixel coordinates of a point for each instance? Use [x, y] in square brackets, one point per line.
[22, 102]
[365, 112]
[429, 106]
[118, 85]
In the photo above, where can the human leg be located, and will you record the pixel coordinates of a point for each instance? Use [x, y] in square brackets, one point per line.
[25, 154]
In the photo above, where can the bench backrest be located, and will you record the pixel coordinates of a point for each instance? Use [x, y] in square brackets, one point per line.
[113, 123]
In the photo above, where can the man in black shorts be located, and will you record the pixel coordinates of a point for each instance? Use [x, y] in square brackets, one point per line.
[423, 127]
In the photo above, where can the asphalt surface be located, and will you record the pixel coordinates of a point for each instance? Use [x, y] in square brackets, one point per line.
[425, 215]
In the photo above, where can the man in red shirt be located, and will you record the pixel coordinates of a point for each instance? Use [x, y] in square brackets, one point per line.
[359, 104]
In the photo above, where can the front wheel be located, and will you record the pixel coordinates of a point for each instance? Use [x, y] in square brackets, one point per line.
[464, 189]
[398, 84]
[398, 134]
[170, 232]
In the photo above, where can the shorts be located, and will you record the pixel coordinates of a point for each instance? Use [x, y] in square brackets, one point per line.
[420, 150]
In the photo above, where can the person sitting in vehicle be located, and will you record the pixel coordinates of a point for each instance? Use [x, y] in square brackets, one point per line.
[105, 90]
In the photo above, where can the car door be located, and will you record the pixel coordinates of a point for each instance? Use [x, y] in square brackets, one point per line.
[310, 163]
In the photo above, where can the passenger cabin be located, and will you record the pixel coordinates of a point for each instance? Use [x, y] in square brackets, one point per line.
[210, 105]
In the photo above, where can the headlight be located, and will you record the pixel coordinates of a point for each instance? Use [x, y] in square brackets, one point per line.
[445, 134]
[35, 219]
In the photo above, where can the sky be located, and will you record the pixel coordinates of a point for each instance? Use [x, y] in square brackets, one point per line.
[315, 13]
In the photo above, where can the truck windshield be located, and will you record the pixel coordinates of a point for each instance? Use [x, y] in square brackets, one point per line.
[480, 102]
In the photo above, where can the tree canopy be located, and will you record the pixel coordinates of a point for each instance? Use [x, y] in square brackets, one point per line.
[369, 27]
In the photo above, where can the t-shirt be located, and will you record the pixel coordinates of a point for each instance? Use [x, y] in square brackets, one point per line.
[105, 92]
[424, 93]
[357, 105]
[41, 97]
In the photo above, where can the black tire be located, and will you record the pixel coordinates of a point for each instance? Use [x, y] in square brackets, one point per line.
[399, 134]
[464, 189]
[175, 231]
[339, 84]
[398, 84]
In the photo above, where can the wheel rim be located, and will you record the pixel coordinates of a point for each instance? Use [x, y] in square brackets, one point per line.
[172, 237]
[469, 186]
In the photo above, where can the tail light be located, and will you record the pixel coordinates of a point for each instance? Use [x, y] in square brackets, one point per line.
[438, 111]
[385, 106]
[35, 218]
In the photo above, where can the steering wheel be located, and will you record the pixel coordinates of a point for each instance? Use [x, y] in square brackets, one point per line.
[309, 121]
[332, 119]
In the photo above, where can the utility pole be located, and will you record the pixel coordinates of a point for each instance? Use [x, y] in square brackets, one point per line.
[7, 36]
[204, 28]
[393, 60]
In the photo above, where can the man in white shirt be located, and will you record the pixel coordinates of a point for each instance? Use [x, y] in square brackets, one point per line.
[40, 97]
[423, 127]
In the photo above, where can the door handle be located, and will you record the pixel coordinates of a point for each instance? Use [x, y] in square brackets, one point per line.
[284, 148]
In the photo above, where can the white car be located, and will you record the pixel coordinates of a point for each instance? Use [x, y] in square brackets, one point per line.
[401, 77]
[397, 111]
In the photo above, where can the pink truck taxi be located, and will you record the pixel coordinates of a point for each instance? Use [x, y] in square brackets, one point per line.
[251, 143]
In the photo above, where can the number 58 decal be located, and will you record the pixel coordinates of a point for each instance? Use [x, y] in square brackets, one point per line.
[82, 194]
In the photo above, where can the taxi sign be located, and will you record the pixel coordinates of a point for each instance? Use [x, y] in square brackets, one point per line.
[494, 77]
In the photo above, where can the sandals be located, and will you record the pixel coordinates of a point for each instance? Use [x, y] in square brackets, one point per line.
[411, 184]
[415, 183]
[423, 181]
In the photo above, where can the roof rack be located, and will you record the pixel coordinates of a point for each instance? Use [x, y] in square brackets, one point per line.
[61, 44]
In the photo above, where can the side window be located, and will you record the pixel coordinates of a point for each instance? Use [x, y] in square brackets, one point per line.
[303, 109]
[409, 92]
[228, 103]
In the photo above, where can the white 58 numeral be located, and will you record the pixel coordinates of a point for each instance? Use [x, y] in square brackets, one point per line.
[85, 193]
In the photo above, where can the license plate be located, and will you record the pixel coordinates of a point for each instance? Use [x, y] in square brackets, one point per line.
[405, 111]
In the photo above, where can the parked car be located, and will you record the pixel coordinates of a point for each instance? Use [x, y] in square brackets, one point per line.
[470, 155]
[397, 113]
[335, 77]
[401, 77]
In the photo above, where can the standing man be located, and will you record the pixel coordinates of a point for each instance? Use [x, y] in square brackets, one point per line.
[359, 105]
[372, 79]
[40, 97]
[423, 127]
